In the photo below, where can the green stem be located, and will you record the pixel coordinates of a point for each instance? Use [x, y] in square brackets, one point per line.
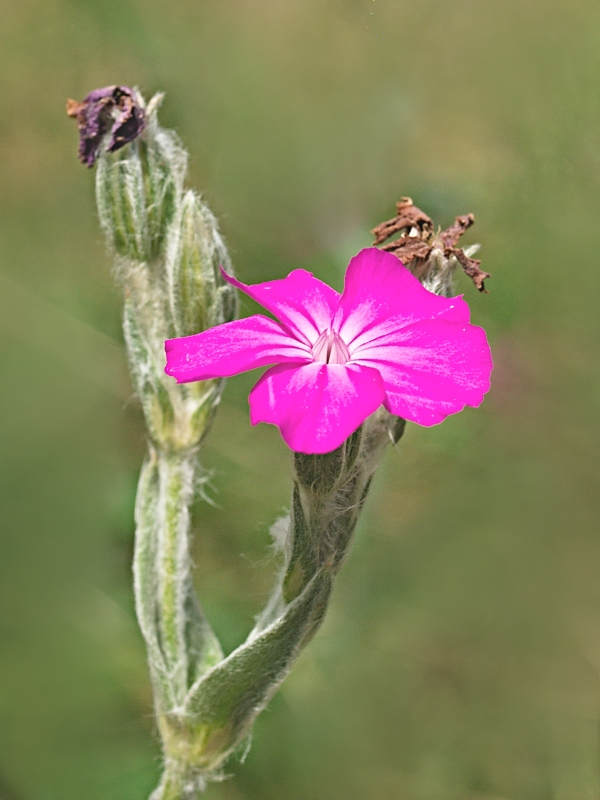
[176, 485]
[180, 643]
[144, 577]
[174, 785]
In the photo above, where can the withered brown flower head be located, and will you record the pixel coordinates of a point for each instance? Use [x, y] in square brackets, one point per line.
[418, 239]
[114, 109]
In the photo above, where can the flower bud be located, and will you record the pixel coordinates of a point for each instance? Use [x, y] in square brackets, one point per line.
[164, 164]
[120, 198]
[199, 297]
[138, 188]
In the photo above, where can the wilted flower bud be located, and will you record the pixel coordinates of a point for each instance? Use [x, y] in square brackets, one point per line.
[115, 109]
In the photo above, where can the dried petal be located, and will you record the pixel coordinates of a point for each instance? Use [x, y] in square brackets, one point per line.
[452, 234]
[408, 216]
[408, 247]
[114, 109]
[421, 250]
[471, 268]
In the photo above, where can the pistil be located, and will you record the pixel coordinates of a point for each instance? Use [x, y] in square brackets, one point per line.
[330, 348]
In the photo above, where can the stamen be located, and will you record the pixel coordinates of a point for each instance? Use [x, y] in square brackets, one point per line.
[330, 348]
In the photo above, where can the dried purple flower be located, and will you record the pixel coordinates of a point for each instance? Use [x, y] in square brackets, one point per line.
[114, 109]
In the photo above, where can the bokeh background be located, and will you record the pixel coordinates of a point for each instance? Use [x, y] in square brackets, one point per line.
[461, 656]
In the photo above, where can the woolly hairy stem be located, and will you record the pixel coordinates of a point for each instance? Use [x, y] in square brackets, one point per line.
[161, 569]
[328, 495]
[204, 726]
[222, 705]
[144, 577]
[173, 786]
[176, 478]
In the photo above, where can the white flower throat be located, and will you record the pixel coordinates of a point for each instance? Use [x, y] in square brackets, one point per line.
[330, 348]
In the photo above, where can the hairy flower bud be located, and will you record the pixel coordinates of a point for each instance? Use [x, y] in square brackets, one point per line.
[137, 191]
[165, 165]
[169, 253]
[120, 199]
[199, 298]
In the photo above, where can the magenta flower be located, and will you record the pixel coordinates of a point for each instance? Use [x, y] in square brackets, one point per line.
[385, 340]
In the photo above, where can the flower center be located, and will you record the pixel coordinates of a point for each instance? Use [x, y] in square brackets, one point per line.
[330, 348]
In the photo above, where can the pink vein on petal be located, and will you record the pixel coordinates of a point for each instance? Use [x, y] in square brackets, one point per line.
[303, 303]
[381, 295]
[431, 369]
[317, 406]
[234, 347]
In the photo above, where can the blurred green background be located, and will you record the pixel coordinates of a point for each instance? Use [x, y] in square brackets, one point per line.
[461, 656]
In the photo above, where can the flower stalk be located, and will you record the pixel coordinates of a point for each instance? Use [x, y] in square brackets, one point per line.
[176, 278]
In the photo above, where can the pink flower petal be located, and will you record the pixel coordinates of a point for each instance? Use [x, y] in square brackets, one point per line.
[381, 295]
[301, 302]
[431, 369]
[231, 348]
[317, 406]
